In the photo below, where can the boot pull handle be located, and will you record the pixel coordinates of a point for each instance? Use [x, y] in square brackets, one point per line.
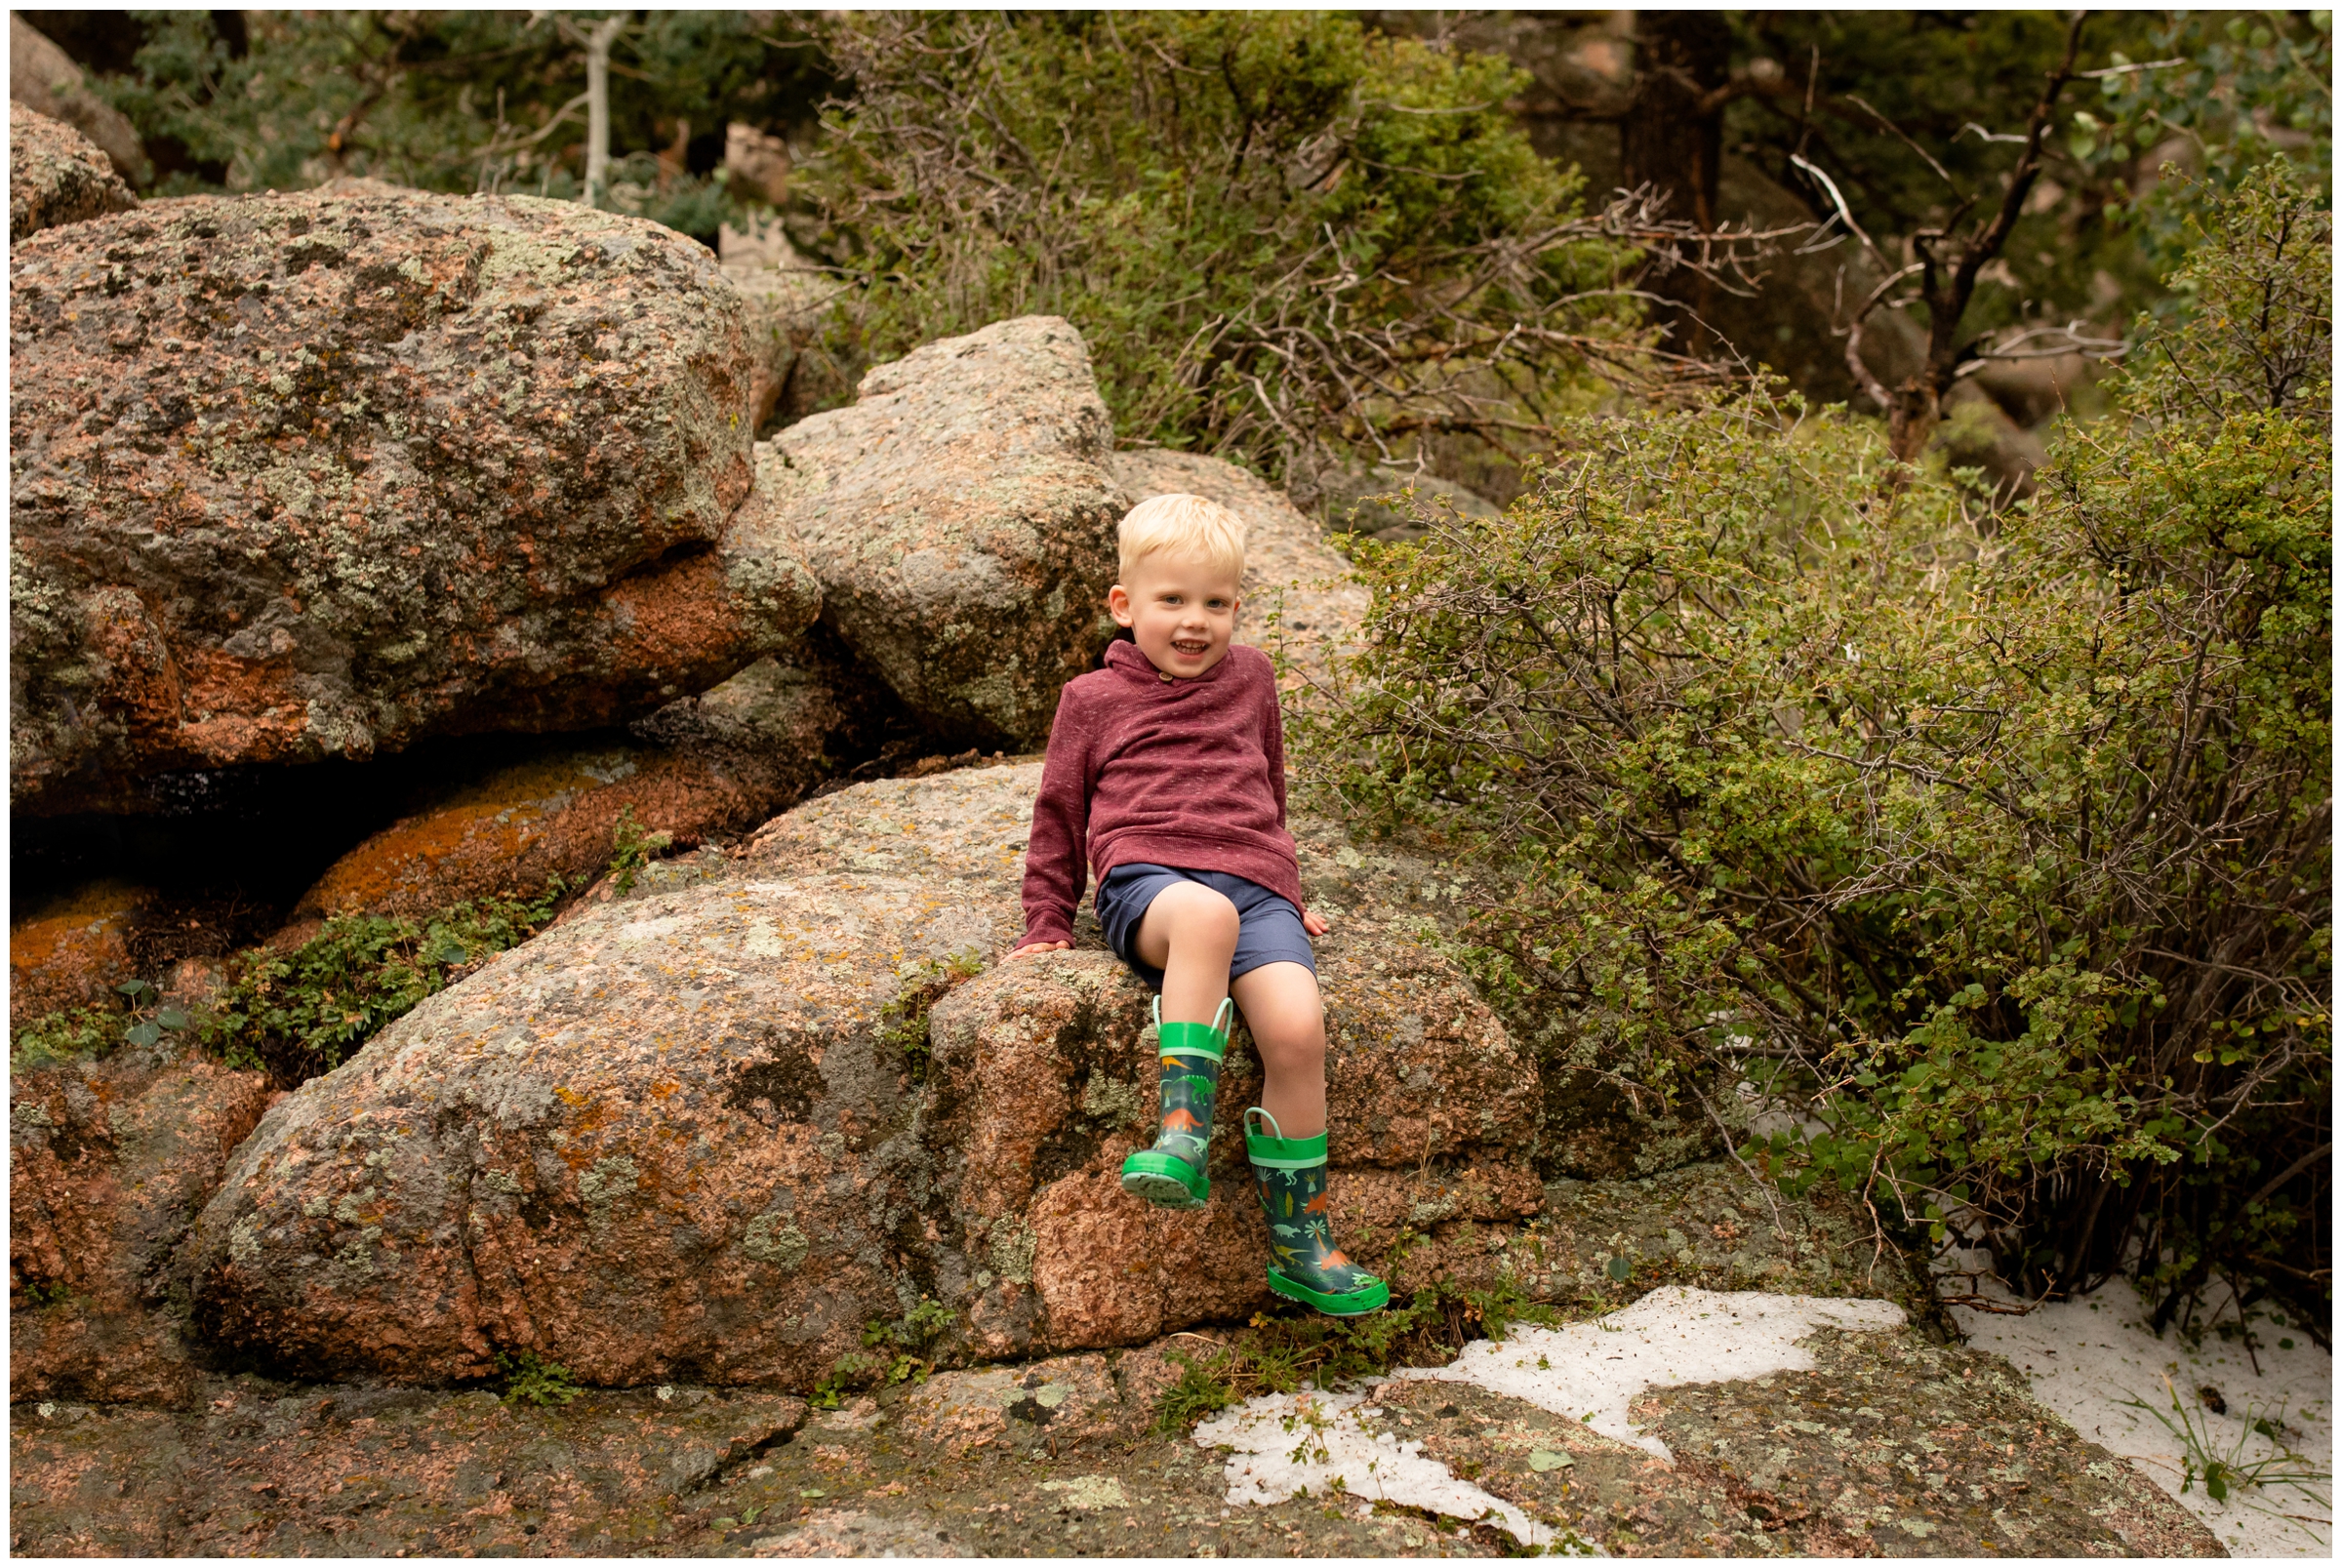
[1275, 1131]
[1220, 1020]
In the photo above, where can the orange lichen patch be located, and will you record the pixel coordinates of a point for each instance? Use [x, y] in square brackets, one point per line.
[661, 1090]
[515, 830]
[458, 849]
[73, 950]
[595, 1114]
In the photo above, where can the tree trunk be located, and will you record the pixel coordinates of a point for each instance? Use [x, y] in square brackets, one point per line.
[597, 107]
[1681, 57]
[1665, 140]
[1911, 415]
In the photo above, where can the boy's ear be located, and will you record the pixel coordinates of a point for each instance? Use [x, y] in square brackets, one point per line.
[1117, 605]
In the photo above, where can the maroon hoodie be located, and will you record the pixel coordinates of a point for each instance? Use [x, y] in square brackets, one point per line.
[1144, 767]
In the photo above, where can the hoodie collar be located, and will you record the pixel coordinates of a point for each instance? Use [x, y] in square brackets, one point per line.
[1124, 655]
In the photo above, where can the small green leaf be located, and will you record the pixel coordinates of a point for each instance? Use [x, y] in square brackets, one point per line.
[143, 1034]
[171, 1018]
[134, 988]
[1618, 1267]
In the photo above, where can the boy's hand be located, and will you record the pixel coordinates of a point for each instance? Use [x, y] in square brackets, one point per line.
[1040, 946]
[1312, 923]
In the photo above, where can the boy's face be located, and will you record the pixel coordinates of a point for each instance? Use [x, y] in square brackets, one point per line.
[1181, 610]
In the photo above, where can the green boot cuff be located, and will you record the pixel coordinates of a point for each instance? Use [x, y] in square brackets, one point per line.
[1281, 1154]
[1209, 1040]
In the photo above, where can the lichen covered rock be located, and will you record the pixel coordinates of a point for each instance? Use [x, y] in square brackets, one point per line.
[715, 1128]
[515, 831]
[675, 1136]
[316, 475]
[55, 176]
[384, 1472]
[961, 520]
[74, 950]
[109, 1164]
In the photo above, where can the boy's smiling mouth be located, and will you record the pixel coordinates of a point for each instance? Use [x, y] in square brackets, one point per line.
[1190, 647]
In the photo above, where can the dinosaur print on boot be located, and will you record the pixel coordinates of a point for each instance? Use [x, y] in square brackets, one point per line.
[1171, 1174]
[1305, 1264]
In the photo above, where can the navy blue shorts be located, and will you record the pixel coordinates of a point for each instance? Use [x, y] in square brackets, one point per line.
[1268, 928]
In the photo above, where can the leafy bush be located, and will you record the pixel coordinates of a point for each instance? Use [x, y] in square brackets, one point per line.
[2005, 856]
[1275, 229]
[532, 1382]
[2237, 90]
[72, 1034]
[298, 1014]
[632, 847]
[142, 1018]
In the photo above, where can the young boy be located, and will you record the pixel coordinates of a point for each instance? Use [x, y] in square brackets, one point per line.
[1166, 773]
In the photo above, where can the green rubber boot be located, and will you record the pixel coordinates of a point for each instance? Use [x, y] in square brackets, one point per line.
[1171, 1174]
[1305, 1265]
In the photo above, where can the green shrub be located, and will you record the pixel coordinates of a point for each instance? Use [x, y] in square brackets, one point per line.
[632, 848]
[298, 1014]
[142, 1018]
[1274, 228]
[73, 1035]
[2005, 856]
[532, 1382]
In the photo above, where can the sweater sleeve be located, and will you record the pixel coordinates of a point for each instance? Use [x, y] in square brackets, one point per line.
[1054, 871]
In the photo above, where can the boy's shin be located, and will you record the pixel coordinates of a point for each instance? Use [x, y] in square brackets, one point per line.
[1172, 1174]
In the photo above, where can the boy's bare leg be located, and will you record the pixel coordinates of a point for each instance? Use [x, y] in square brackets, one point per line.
[1190, 933]
[1282, 1007]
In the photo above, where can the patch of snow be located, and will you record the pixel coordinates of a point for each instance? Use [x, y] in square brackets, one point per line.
[1287, 1444]
[1592, 1372]
[2084, 1357]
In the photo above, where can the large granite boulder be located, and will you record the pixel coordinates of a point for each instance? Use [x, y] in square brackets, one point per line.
[316, 475]
[110, 1162]
[56, 175]
[789, 303]
[961, 519]
[43, 79]
[715, 1128]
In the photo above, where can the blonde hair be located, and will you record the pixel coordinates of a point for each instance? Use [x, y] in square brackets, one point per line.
[1183, 525]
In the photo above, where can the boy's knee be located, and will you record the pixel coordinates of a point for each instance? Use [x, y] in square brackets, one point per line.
[1296, 1049]
[1205, 915]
